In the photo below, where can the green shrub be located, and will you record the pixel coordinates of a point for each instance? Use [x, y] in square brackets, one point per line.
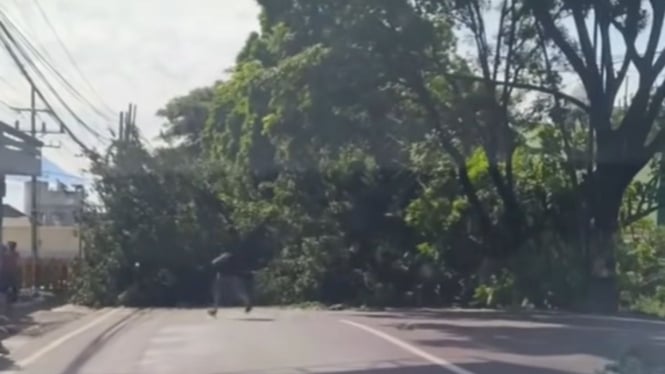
[498, 292]
[654, 306]
[641, 269]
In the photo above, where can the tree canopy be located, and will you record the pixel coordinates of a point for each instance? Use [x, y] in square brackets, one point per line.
[408, 151]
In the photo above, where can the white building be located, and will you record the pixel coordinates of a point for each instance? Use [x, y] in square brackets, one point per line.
[56, 206]
[52, 241]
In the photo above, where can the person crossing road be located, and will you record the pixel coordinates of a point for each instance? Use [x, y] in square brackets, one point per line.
[230, 269]
[234, 269]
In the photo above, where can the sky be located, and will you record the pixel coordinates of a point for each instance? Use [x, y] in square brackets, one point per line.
[140, 51]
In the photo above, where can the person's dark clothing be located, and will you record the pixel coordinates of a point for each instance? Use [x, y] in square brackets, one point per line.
[232, 269]
[237, 266]
[11, 273]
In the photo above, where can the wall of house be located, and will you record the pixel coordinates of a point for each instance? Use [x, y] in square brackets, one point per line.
[56, 205]
[53, 241]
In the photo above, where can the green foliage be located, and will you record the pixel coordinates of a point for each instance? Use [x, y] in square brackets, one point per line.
[498, 292]
[642, 269]
[365, 161]
[156, 230]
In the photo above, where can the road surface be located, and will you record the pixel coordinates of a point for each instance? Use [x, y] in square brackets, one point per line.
[281, 341]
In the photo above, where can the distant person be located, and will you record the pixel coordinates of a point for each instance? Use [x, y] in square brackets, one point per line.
[4, 277]
[4, 300]
[230, 268]
[12, 264]
[238, 266]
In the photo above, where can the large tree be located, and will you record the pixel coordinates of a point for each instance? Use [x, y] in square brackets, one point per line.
[525, 59]
[623, 142]
[388, 146]
[536, 48]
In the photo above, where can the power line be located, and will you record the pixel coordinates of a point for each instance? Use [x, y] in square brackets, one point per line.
[8, 83]
[45, 61]
[46, 81]
[25, 40]
[4, 38]
[71, 58]
[9, 106]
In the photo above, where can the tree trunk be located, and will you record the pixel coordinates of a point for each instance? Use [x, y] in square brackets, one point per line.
[602, 288]
[609, 183]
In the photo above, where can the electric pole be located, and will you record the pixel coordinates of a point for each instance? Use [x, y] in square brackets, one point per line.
[34, 211]
[33, 193]
[3, 190]
[19, 154]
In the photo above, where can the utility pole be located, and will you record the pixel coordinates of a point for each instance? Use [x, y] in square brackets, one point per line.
[34, 237]
[81, 212]
[19, 154]
[34, 211]
[3, 190]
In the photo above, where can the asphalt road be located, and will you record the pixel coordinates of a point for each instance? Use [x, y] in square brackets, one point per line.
[131, 341]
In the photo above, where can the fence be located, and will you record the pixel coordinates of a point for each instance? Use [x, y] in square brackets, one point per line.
[51, 274]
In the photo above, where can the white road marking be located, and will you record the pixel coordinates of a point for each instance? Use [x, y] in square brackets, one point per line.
[54, 344]
[409, 348]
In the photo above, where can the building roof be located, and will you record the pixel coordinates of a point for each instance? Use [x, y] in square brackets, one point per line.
[29, 140]
[11, 212]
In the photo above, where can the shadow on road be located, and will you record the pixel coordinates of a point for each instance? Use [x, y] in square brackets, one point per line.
[493, 367]
[619, 320]
[540, 340]
[530, 335]
[98, 343]
[19, 318]
[476, 368]
[255, 319]
[7, 364]
[421, 369]
[550, 341]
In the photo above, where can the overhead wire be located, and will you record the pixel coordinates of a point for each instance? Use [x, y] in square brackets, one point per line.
[25, 40]
[47, 63]
[69, 55]
[8, 83]
[6, 104]
[52, 89]
[7, 40]
[11, 86]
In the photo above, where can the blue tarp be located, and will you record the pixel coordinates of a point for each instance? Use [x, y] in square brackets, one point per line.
[51, 173]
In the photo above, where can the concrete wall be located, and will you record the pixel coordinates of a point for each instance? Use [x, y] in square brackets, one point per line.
[17, 156]
[53, 241]
[56, 205]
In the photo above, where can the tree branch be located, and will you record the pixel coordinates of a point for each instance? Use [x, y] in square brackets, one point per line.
[629, 32]
[550, 29]
[505, 96]
[611, 88]
[651, 116]
[463, 175]
[497, 52]
[629, 39]
[477, 27]
[658, 8]
[629, 220]
[659, 64]
[585, 42]
[524, 86]
[656, 105]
